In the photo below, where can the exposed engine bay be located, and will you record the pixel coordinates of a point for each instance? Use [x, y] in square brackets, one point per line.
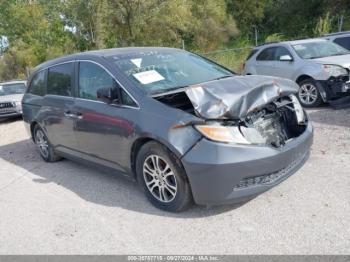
[273, 124]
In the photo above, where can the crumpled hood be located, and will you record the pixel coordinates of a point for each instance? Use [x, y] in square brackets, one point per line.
[235, 97]
[342, 60]
[11, 98]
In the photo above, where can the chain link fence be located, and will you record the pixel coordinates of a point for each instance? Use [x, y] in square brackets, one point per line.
[230, 58]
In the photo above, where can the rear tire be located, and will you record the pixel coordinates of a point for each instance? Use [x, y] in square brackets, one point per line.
[309, 94]
[44, 146]
[162, 178]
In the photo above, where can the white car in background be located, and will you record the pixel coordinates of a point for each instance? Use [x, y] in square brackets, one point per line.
[11, 94]
[320, 67]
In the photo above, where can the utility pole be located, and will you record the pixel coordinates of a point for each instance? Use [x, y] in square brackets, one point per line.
[256, 34]
[340, 23]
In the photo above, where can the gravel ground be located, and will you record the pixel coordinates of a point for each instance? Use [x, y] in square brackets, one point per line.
[66, 208]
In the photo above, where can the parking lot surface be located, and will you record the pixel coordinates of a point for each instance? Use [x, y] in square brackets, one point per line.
[67, 208]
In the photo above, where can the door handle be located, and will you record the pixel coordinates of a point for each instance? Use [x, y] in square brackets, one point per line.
[79, 115]
[68, 114]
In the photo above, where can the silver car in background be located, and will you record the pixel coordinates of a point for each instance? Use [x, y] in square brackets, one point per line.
[11, 94]
[340, 38]
[320, 67]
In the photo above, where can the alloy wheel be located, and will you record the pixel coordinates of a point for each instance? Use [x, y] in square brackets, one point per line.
[308, 94]
[42, 143]
[159, 178]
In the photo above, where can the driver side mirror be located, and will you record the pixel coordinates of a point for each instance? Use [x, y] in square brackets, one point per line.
[287, 58]
[108, 95]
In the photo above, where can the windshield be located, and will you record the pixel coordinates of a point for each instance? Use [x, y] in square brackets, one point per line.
[12, 89]
[319, 49]
[162, 71]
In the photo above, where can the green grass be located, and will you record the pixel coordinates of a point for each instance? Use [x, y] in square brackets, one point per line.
[231, 58]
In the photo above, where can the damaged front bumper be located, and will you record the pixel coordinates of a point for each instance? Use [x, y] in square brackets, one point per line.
[228, 173]
[334, 87]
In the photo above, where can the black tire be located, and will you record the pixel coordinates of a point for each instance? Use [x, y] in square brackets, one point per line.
[49, 155]
[303, 86]
[172, 203]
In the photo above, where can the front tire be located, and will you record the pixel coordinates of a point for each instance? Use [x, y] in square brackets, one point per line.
[309, 94]
[163, 178]
[45, 148]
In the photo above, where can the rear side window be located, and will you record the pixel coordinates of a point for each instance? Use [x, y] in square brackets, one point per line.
[59, 80]
[343, 41]
[37, 85]
[267, 54]
[253, 52]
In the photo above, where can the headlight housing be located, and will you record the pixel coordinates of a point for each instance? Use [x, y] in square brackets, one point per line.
[226, 134]
[18, 104]
[335, 70]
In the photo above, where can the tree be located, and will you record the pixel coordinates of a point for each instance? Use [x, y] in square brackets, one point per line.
[249, 13]
[324, 25]
[38, 30]
[35, 33]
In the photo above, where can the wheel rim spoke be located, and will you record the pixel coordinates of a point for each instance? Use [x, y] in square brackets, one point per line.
[42, 143]
[151, 182]
[170, 189]
[162, 194]
[147, 169]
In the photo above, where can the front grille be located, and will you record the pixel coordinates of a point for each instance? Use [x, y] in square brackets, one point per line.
[5, 111]
[6, 105]
[7, 108]
[269, 178]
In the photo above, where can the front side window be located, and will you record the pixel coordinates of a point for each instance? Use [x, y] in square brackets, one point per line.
[12, 89]
[92, 77]
[164, 70]
[126, 99]
[281, 51]
[267, 54]
[59, 80]
[319, 49]
[37, 85]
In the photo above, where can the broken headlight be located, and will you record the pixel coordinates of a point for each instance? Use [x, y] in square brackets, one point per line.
[226, 134]
[335, 70]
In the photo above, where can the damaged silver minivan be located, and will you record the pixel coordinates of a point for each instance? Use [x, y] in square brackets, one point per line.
[184, 127]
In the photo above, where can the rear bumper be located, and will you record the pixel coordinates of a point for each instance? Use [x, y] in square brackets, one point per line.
[223, 173]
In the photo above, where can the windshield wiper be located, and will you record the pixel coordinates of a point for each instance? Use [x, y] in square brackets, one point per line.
[167, 90]
[222, 77]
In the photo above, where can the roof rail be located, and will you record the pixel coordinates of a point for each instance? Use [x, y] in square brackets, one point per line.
[337, 33]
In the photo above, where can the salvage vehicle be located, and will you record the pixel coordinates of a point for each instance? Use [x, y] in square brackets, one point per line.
[320, 67]
[185, 128]
[11, 94]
